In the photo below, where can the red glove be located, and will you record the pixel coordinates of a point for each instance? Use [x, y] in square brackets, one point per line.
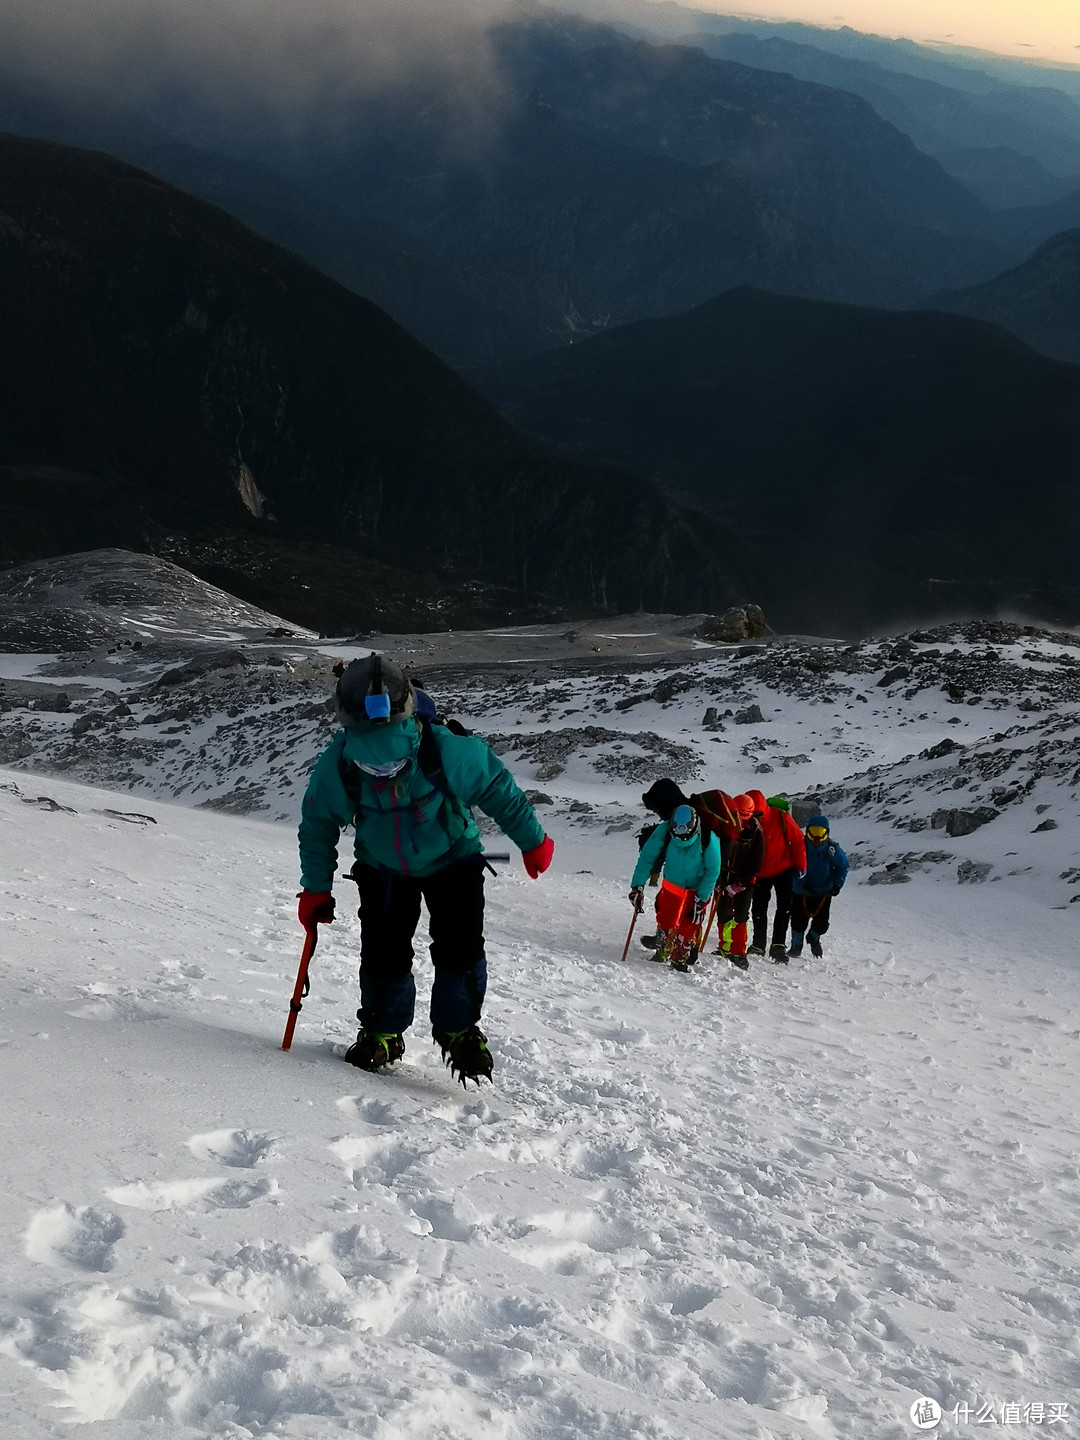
[316, 907]
[537, 860]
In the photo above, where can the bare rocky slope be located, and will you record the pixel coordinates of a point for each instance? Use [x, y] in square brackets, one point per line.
[954, 749]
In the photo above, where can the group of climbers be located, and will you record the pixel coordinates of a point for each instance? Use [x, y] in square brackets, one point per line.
[407, 780]
[737, 854]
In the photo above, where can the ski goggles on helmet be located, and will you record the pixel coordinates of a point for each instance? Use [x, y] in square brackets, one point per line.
[683, 821]
[817, 833]
[384, 772]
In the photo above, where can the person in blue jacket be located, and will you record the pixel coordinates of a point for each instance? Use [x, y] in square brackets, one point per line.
[689, 860]
[826, 871]
[408, 787]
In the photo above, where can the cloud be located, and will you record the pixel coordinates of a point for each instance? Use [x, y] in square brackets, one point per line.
[282, 52]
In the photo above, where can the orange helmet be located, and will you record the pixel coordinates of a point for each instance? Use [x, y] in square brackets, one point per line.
[744, 806]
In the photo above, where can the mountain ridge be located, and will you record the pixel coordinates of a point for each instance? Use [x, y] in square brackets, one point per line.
[186, 374]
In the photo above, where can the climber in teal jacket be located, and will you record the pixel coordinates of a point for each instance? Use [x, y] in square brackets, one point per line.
[409, 787]
[688, 858]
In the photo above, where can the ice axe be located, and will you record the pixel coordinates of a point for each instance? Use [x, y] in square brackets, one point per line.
[708, 924]
[302, 986]
[630, 932]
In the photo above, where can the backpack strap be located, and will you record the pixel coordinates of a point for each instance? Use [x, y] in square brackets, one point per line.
[429, 757]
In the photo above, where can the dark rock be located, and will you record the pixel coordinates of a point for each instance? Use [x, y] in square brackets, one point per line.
[538, 797]
[1045, 825]
[972, 872]
[893, 874]
[750, 716]
[940, 750]
[57, 704]
[898, 672]
[746, 622]
[963, 822]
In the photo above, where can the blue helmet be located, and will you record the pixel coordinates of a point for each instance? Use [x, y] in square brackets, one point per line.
[684, 821]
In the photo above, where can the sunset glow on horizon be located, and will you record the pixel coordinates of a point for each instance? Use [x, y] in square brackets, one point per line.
[1022, 29]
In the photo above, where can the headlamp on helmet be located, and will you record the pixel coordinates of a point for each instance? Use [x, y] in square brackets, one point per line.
[373, 692]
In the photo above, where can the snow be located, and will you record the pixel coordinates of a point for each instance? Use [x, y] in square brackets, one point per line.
[786, 1204]
[777, 1206]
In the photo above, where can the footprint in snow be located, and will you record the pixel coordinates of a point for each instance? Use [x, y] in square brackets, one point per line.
[81, 1235]
[376, 1160]
[241, 1149]
[200, 1194]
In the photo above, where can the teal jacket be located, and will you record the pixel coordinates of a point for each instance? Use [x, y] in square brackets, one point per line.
[408, 823]
[686, 862]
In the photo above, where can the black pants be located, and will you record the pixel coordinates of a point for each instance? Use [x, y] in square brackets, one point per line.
[780, 885]
[810, 912]
[389, 913]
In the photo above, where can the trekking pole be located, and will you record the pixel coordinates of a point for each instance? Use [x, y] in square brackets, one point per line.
[629, 933]
[302, 986]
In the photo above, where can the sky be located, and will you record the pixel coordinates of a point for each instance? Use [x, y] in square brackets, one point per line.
[1035, 29]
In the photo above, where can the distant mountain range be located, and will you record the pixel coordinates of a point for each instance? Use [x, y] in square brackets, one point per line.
[587, 179]
[1038, 300]
[178, 383]
[171, 381]
[886, 465]
[1009, 131]
[432, 301]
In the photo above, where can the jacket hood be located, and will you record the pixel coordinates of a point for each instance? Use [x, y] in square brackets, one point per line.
[384, 745]
[759, 801]
[663, 798]
[817, 820]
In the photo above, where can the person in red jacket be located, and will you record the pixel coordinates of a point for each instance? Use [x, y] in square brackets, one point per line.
[736, 886]
[785, 857]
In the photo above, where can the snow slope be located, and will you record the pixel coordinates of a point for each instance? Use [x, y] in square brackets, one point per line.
[781, 1205]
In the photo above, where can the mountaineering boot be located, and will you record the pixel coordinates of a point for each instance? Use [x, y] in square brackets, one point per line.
[756, 949]
[778, 952]
[649, 942]
[681, 965]
[815, 945]
[372, 1051]
[795, 948]
[467, 1055]
[740, 960]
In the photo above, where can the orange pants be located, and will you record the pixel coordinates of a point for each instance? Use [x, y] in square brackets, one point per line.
[676, 933]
